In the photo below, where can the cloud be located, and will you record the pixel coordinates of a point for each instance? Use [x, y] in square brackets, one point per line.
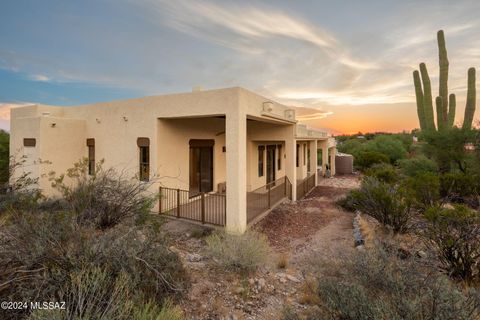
[245, 28]
[39, 78]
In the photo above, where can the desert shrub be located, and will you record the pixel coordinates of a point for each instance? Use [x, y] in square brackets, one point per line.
[105, 198]
[388, 145]
[460, 188]
[385, 202]
[349, 201]
[151, 311]
[417, 165]
[243, 252]
[456, 235]
[424, 189]
[21, 192]
[383, 172]
[288, 313]
[378, 285]
[365, 159]
[282, 260]
[42, 254]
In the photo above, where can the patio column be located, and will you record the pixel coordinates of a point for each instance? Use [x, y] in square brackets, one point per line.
[313, 159]
[236, 149]
[324, 156]
[333, 152]
[290, 162]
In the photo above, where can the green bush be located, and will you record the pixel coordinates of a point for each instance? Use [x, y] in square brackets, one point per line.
[378, 285]
[42, 254]
[388, 145]
[424, 189]
[459, 187]
[456, 235]
[104, 199]
[383, 172]
[385, 202]
[366, 159]
[417, 165]
[243, 253]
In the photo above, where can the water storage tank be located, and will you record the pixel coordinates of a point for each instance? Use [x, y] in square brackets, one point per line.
[343, 163]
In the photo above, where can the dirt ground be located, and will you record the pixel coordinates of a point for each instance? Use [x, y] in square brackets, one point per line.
[312, 228]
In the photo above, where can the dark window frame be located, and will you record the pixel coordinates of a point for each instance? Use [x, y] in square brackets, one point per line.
[144, 158]
[297, 159]
[91, 156]
[261, 161]
[304, 154]
[280, 156]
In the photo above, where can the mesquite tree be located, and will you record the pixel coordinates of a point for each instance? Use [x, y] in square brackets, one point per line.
[445, 103]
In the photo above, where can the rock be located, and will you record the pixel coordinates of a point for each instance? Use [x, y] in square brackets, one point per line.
[261, 283]
[360, 247]
[421, 254]
[194, 257]
[251, 281]
[292, 278]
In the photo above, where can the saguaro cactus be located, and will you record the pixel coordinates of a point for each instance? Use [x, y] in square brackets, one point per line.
[445, 104]
[452, 104]
[471, 100]
[443, 79]
[419, 95]
[427, 98]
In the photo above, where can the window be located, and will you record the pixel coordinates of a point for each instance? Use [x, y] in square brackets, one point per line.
[144, 159]
[91, 156]
[29, 142]
[298, 155]
[261, 150]
[280, 156]
[308, 160]
[304, 154]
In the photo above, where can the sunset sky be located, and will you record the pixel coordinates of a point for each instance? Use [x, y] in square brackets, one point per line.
[347, 64]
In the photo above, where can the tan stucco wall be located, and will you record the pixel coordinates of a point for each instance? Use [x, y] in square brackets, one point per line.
[173, 136]
[169, 121]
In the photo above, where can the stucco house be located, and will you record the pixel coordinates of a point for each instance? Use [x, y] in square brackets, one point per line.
[222, 157]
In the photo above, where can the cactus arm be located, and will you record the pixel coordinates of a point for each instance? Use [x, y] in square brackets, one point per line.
[419, 96]
[471, 100]
[443, 79]
[439, 106]
[427, 98]
[452, 105]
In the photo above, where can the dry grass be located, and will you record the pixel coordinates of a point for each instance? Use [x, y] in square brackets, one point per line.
[309, 292]
[282, 260]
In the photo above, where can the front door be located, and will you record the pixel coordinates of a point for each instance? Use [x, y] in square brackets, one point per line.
[201, 169]
[271, 163]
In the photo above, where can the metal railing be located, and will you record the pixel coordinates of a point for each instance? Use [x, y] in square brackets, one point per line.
[263, 198]
[207, 208]
[304, 186]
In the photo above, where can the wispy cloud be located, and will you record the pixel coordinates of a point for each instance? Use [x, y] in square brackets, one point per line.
[39, 77]
[245, 28]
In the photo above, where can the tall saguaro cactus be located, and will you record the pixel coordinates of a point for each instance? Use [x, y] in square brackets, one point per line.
[445, 104]
[471, 100]
[443, 79]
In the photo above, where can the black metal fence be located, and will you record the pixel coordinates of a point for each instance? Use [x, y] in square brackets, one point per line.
[207, 208]
[305, 185]
[263, 198]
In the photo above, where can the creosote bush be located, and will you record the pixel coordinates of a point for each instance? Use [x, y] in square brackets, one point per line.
[383, 172]
[424, 189]
[385, 202]
[105, 198]
[48, 257]
[378, 285]
[242, 253]
[455, 232]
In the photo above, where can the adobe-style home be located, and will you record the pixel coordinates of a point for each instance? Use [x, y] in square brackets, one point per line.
[222, 157]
